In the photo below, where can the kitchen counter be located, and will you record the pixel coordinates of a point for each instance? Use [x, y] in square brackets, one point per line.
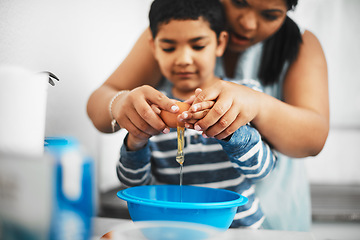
[335, 203]
[105, 225]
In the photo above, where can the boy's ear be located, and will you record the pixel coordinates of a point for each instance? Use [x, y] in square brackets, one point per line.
[222, 43]
[152, 45]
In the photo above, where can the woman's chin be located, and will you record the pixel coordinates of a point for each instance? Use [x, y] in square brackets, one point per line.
[238, 46]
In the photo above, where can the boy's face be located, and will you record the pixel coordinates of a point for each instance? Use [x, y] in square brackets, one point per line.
[186, 51]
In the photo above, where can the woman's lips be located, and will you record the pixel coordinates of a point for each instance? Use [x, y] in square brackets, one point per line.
[239, 39]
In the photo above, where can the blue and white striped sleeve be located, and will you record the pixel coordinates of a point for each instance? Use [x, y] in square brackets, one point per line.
[134, 167]
[249, 153]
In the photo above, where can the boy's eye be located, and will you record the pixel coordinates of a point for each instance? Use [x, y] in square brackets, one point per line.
[168, 49]
[198, 47]
[239, 3]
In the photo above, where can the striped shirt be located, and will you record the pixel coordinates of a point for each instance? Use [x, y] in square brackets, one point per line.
[233, 165]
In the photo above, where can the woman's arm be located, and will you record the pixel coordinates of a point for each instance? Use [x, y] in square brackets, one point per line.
[138, 68]
[297, 127]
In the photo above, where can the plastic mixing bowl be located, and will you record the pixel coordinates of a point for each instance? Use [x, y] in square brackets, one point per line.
[208, 206]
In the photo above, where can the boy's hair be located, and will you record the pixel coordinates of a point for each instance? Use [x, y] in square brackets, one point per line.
[162, 11]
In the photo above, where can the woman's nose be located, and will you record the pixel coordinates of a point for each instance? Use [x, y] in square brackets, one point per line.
[184, 57]
[248, 20]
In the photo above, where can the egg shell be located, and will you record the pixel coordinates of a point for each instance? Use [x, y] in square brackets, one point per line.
[170, 119]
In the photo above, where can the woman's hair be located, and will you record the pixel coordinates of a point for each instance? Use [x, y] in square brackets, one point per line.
[162, 11]
[291, 4]
[280, 48]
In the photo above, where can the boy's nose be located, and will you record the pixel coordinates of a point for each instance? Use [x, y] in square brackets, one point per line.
[248, 20]
[184, 57]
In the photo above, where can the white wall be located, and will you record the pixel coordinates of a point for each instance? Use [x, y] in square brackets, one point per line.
[80, 41]
[83, 41]
[336, 24]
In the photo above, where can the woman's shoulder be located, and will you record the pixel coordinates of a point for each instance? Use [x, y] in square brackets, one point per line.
[311, 47]
[309, 39]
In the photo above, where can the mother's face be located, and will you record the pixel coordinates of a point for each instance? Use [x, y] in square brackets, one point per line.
[252, 21]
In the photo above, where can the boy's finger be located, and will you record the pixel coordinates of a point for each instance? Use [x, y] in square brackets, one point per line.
[200, 115]
[201, 106]
[156, 108]
[209, 94]
[198, 91]
[148, 119]
[146, 125]
[162, 101]
[190, 100]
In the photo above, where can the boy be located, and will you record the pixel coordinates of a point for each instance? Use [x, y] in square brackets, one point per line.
[188, 35]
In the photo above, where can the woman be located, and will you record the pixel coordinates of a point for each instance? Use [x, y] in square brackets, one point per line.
[293, 116]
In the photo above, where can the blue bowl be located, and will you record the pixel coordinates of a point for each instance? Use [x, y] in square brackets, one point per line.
[208, 206]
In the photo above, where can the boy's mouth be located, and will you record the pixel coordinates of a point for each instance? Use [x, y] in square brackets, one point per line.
[184, 74]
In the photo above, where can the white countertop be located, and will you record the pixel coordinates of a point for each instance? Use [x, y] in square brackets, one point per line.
[105, 225]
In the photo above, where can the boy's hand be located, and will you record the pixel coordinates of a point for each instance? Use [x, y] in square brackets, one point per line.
[134, 143]
[133, 112]
[196, 111]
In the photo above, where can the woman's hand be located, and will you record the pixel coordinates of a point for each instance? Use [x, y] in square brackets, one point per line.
[132, 111]
[195, 112]
[235, 105]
